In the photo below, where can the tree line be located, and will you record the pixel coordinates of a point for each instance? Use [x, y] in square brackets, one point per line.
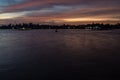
[93, 26]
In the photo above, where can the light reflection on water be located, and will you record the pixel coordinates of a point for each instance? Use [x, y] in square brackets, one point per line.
[44, 54]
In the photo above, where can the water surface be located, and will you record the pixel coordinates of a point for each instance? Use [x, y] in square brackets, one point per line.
[65, 55]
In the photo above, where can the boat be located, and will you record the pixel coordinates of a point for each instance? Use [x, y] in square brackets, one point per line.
[56, 30]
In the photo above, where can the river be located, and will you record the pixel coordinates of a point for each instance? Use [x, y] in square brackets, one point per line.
[63, 55]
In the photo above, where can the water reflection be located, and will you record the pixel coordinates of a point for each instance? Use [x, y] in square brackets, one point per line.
[44, 54]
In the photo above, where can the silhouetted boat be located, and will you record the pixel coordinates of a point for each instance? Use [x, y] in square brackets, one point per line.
[56, 30]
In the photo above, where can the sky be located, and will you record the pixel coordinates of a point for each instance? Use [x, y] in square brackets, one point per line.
[59, 11]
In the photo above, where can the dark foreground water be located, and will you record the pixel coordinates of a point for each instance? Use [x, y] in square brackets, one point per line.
[66, 55]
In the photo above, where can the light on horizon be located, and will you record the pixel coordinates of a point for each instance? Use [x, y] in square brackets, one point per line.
[11, 15]
[89, 19]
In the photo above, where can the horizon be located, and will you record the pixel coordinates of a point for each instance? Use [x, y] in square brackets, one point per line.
[62, 12]
[59, 24]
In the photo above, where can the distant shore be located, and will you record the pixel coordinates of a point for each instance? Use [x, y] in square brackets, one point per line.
[93, 26]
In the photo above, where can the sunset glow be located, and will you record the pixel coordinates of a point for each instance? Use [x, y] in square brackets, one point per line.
[10, 15]
[89, 19]
[62, 11]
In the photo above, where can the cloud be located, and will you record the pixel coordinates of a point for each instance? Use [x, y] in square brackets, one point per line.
[61, 9]
[11, 15]
[38, 4]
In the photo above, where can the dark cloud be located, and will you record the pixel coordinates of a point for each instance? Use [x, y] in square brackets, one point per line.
[38, 4]
[62, 8]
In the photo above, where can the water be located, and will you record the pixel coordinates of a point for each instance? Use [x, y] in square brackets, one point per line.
[65, 55]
